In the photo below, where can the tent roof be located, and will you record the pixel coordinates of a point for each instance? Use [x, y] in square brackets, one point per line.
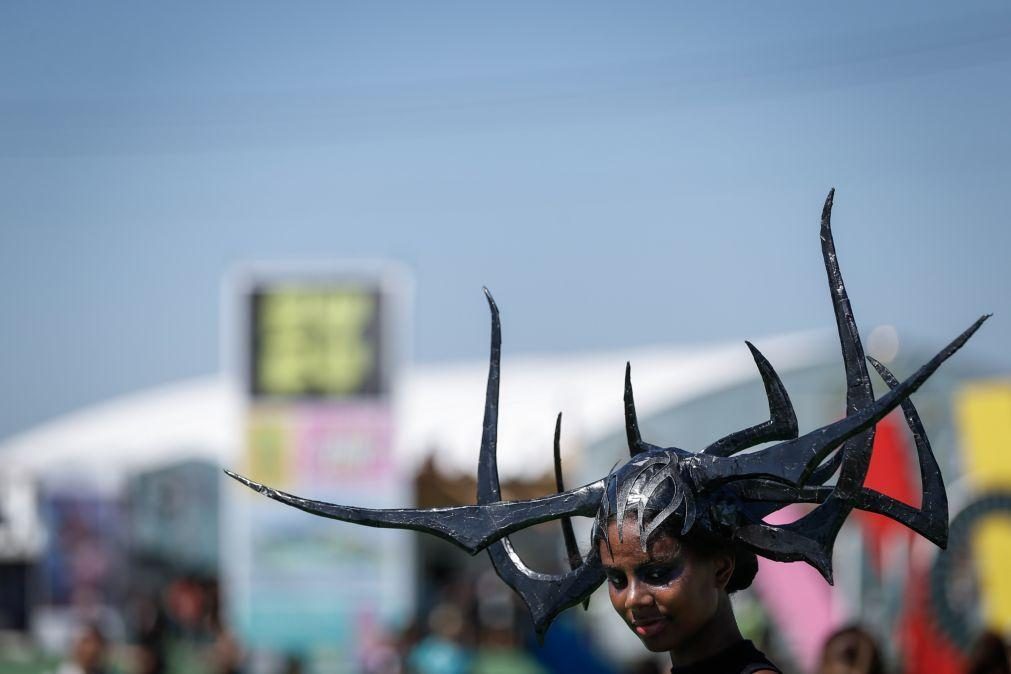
[439, 407]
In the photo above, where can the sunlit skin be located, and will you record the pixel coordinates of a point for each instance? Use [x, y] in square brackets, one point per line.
[671, 596]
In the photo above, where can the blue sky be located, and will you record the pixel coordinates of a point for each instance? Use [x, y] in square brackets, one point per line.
[618, 174]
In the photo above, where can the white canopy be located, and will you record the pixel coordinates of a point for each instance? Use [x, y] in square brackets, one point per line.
[439, 409]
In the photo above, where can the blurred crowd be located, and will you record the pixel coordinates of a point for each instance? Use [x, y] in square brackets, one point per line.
[179, 629]
[466, 627]
[854, 650]
[462, 633]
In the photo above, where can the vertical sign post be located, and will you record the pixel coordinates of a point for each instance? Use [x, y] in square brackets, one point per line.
[318, 354]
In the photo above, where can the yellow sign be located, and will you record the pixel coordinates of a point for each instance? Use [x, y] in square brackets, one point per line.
[316, 342]
[984, 418]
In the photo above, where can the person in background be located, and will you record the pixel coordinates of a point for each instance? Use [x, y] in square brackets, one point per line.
[148, 658]
[499, 652]
[293, 664]
[89, 653]
[226, 653]
[499, 649]
[851, 650]
[989, 655]
[441, 651]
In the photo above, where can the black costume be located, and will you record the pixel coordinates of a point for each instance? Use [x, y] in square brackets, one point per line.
[741, 658]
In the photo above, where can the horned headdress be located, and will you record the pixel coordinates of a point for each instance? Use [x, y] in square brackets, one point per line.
[719, 491]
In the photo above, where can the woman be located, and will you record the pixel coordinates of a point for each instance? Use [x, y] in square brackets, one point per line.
[673, 593]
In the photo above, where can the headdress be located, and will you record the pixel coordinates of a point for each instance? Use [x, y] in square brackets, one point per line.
[719, 491]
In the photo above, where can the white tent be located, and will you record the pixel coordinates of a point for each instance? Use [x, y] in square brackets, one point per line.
[439, 409]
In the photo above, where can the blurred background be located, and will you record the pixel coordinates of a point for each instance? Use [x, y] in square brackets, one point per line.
[255, 235]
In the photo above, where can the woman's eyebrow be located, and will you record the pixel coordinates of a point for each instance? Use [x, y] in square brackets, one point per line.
[671, 558]
[651, 563]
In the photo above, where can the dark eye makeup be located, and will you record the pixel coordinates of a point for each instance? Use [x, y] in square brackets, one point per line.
[616, 579]
[653, 573]
[659, 574]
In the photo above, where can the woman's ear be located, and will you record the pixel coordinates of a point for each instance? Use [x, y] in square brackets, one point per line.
[723, 565]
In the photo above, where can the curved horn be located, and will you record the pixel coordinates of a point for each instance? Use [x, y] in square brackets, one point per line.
[800, 461]
[635, 443]
[488, 489]
[822, 525]
[792, 461]
[471, 527]
[545, 595]
[856, 453]
[930, 520]
[858, 386]
[782, 423]
[571, 549]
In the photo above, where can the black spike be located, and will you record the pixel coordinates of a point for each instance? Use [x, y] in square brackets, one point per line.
[782, 423]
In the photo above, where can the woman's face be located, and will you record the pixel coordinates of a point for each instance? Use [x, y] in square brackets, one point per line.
[667, 594]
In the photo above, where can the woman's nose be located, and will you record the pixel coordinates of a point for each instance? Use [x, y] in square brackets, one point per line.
[638, 595]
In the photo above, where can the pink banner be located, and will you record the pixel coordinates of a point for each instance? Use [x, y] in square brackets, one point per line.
[798, 599]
